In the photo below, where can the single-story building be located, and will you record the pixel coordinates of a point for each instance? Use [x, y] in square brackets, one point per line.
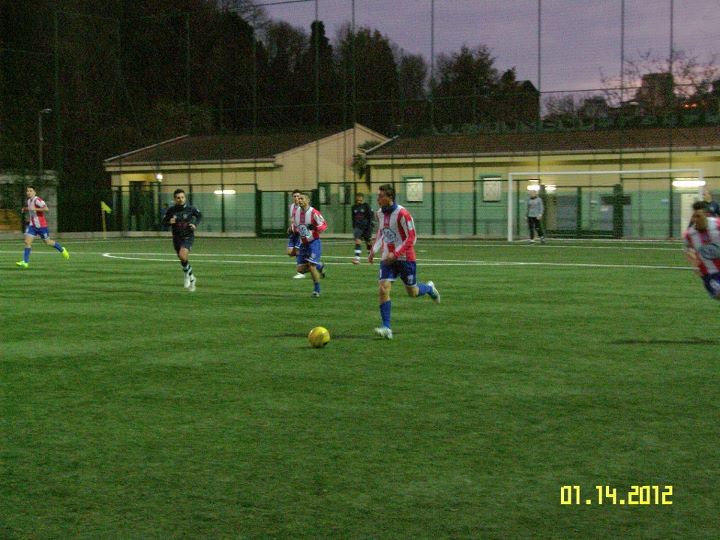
[458, 184]
[241, 183]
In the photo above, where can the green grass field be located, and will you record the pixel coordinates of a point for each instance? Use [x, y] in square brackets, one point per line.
[134, 409]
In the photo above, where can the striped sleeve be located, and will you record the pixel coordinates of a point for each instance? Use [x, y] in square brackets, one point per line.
[406, 224]
[320, 223]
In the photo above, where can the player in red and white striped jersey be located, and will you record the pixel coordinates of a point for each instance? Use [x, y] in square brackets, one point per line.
[395, 243]
[702, 247]
[293, 244]
[308, 223]
[36, 209]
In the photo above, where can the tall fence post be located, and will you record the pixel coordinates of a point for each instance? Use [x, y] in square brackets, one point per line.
[432, 203]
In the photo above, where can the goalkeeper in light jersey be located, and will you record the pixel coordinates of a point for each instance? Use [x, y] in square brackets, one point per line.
[37, 226]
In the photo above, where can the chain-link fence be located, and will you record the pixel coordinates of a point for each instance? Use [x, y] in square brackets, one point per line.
[79, 86]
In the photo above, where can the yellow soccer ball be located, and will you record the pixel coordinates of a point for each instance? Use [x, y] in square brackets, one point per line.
[319, 337]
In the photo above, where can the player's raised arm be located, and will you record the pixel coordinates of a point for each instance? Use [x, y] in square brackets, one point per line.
[318, 221]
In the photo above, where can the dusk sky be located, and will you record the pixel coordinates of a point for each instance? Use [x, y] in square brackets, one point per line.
[580, 38]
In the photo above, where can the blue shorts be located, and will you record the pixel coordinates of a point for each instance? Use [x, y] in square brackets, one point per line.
[309, 253]
[42, 232]
[180, 242]
[294, 241]
[362, 233]
[712, 284]
[403, 269]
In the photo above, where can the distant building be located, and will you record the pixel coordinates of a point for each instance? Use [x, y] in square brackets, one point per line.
[240, 182]
[457, 184]
[656, 92]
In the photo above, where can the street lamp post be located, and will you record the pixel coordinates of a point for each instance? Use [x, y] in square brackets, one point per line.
[40, 141]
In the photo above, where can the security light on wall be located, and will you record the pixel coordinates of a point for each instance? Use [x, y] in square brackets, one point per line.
[224, 192]
[688, 183]
[159, 177]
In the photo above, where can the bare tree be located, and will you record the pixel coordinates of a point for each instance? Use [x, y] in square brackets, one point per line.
[690, 76]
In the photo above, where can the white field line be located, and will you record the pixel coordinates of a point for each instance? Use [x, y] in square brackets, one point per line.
[546, 246]
[151, 257]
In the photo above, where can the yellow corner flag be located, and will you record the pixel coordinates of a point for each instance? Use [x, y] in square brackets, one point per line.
[104, 209]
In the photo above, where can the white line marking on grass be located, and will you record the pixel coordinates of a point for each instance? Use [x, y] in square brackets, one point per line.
[578, 265]
[426, 262]
[546, 246]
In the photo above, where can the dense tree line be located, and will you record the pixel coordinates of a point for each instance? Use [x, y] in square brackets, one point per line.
[131, 73]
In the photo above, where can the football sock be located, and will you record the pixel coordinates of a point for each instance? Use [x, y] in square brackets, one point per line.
[58, 247]
[357, 252]
[26, 254]
[423, 288]
[320, 267]
[316, 287]
[186, 268]
[385, 313]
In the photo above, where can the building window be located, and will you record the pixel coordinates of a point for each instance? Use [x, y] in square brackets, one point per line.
[345, 193]
[491, 188]
[413, 189]
[323, 193]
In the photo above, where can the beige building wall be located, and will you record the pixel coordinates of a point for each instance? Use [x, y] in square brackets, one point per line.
[467, 168]
[327, 160]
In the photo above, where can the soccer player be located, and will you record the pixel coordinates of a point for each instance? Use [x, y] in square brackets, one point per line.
[294, 242]
[183, 219]
[309, 223]
[534, 212]
[712, 208]
[702, 247]
[362, 217]
[395, 242]
[37, 226]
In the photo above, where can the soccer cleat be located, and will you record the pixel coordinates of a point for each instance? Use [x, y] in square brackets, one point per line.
[22, 264]
[316, 294]
[298, 276]
[384, 332]
[65, 254]
[434, 293]
[542, 239]
[191, 288]
[356, 260]
[322, 272]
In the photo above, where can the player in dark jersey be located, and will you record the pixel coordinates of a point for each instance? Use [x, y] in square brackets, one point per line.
[362, 216]
[183, 219]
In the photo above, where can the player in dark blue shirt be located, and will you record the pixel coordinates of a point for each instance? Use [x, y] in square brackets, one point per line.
[183, 219]
[713, 208]
[362, 216]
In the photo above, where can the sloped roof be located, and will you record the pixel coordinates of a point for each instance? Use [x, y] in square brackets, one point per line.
[568, 141]
[212, 148]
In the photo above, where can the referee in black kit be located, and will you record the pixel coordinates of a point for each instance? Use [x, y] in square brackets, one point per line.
[183, 219]
[362, 216]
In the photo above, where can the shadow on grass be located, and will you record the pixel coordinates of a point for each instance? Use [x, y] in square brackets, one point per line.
[333, 336]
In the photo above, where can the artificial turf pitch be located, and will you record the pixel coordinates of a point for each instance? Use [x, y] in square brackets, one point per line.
[132, 408]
